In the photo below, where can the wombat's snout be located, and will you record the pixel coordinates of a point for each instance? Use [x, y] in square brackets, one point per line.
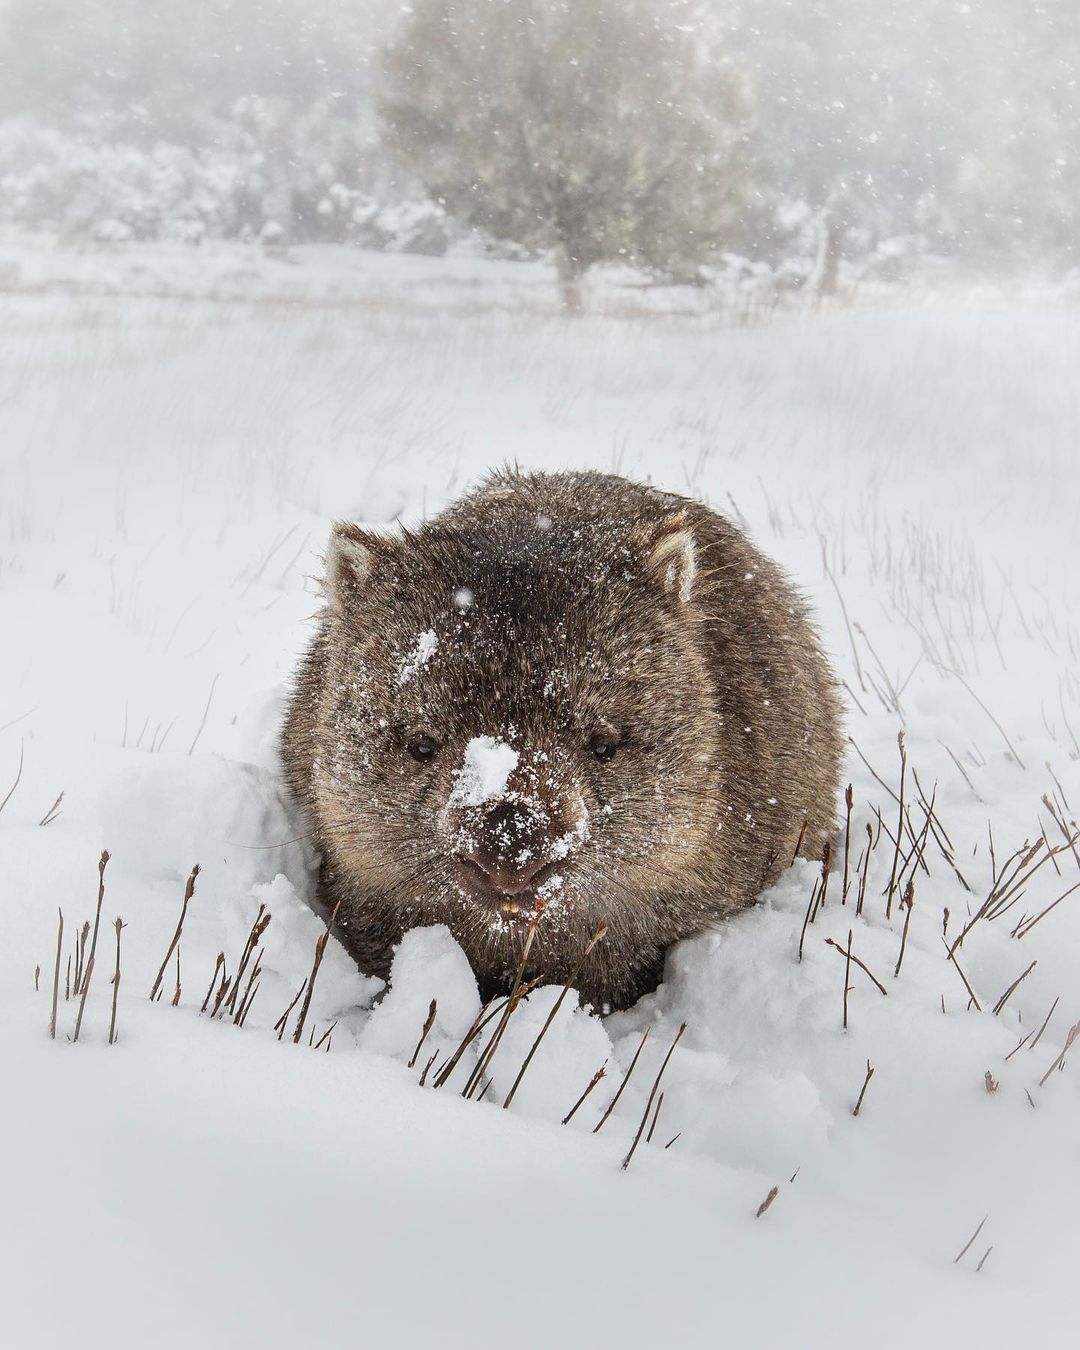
[506, 852]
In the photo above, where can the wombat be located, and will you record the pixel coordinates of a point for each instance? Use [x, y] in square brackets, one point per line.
[571, 689]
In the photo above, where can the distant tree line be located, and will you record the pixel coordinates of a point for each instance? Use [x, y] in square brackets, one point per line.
[666, 134]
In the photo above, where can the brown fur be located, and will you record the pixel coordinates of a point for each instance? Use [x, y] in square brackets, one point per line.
[600, 608]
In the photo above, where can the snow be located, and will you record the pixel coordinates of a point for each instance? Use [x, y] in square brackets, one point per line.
[485, 772]
[427, 644]
[171, 462]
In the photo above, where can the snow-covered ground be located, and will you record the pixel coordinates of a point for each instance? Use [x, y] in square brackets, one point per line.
[172, 452]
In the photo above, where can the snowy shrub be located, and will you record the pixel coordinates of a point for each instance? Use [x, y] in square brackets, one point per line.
[78, 187]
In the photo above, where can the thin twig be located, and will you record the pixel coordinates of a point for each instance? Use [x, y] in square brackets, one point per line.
[213, 980]
[1059, 1063]
[56, 976]
[320, 947]
[971, 992]
[598, 936]
[862, 1092]
[189, 891]
[626, 1078]
[963, 1250]
[102, 862]
[600, 1073]
[428, 1024]
[862, 965]
[652, 1094]
[908, 899]
[119, 925]
[1012, 988]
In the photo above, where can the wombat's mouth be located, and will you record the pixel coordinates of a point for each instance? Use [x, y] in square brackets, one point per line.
[507, 891]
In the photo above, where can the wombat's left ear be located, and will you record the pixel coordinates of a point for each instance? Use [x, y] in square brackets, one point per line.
[350, 557]
[672, 558]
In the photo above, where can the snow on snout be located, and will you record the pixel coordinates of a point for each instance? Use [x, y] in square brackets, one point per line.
[485, 772]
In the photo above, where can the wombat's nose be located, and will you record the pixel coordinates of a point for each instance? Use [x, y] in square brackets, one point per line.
[502, 876]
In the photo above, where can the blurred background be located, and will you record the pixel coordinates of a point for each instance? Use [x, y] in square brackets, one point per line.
[814, 143]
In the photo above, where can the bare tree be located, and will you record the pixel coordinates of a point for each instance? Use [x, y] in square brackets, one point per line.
[602, 132]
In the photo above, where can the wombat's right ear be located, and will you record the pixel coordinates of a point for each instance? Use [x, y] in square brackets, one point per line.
[672, 557]
[350, 557]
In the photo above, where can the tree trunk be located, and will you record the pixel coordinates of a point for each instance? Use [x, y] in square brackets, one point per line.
[831, 228]
[570, 273]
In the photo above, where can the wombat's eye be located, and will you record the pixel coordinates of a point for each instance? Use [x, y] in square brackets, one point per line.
[422, 748]
[603, 747]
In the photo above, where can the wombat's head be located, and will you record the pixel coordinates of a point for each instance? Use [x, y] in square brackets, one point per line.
[518, 709]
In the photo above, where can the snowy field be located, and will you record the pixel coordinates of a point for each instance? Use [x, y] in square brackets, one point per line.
[176, 431]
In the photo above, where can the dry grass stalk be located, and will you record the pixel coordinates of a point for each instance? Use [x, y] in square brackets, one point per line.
[249, 993]
[213, 980]
[258, 928]
[847, 976]
[81, 939]
[18, 776]
[176, 992]
[427, 1068]
[982, 1261]
[56, 975]
[986, 710]
[849, 802]
[1019, 1046]
[1012, 988]
[826, 863]
[990, 1082]
[908, 900]
[1024, 927]
[571, 981]
[226, 985]
[511, 1005]
[656, 1117]
[320, 948]
[428, 1024]
[600, 1073]
[1059, 821]
[119, 925]
[102, 863]
[861, 964]
[899, 827]
[866, 870]
[964, 1249]
[808, 917]
[206, 713]
[189, 891]
[652, 1095]
[67, 981]
[324, 1039]
[53, 811]
[672, 1140]
[763, 1208]
[1059, 1063]
[1045, 1024]
[971, 992]
[799, 842]
[37, 978]
[622, 1086]
[279, 1025]
[862, 1091]
[480, 1021]
[941, 835]
[918, 848]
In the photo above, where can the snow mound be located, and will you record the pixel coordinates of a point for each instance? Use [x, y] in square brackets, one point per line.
[428, 965]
